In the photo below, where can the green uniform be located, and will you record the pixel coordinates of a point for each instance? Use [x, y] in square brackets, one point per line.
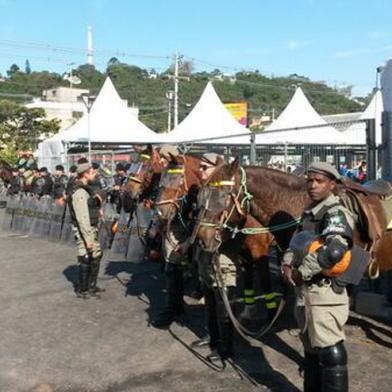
[80, 203]
[85, 209]
[321, 307]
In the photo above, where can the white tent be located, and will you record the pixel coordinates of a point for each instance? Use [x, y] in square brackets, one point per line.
[109, 121]
[356, 133]
[208, 119]
[300, 124]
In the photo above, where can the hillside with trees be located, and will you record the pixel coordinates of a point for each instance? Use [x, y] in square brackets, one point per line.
[147, 89]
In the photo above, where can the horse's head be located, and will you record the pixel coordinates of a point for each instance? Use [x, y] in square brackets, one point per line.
[218, 205]
[142, 173]
[181, 179]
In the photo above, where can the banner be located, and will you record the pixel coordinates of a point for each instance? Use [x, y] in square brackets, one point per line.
[239, 111]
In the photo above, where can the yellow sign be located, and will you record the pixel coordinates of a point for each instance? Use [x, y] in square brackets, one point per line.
[239, 111]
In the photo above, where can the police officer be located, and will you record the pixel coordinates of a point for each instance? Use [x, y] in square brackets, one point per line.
[73, 175]
[85, 214]
[322, 304]
[174, 261]
[211, 272]
[16, 184]
[118, 181]
[42, 184]
[100, 182]
[60, 182]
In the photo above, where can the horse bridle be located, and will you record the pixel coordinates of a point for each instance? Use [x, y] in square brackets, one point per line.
[176, 200]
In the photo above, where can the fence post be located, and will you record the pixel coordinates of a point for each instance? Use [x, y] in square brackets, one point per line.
[371, 149]
[252, 157]
[387, 146]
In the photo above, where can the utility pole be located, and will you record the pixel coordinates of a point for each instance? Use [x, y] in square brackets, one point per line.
[176, 60]
[169, 96]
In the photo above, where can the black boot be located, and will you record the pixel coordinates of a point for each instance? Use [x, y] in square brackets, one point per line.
[212, 319]
[312, 373]
[334, 373]
[84, 276]
[224, 347]
[93, 288]
[174, 297]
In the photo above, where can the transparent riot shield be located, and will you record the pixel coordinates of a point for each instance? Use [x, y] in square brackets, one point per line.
[35, 216]
[17, 222]
[28, 212]
[9, 212]
[67, 234]
[46, 202]
[106, 233]
[120, 242]
[3, 196]
[57, 215]
[138, 230]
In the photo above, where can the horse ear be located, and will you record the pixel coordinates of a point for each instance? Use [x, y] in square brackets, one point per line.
[234, 166]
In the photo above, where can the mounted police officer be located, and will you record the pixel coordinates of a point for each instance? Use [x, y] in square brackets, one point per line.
[85, 212]
[314, 263]
[60, 182]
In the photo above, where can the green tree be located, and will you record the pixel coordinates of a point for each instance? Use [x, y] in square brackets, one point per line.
[22, 128]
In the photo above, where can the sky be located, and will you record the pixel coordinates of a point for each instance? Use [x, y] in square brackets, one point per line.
[341, 42]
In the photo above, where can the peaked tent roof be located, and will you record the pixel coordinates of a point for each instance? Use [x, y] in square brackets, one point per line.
[356, 133]
[110, 122]
[208, 119]
[299, 113]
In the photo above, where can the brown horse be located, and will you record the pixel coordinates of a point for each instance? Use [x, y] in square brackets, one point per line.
[143, 178]
[179, 186]
[276, 201]
[218, 196]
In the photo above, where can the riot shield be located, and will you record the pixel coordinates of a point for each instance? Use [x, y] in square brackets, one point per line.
[3, 196]
[41, 223]
[17, 222]
[46, 202]
[35, 216]
[67, 234]
[120, 242]
[106, 233]
[138, 230]
[9, 212]
[29, 211]
[57, 215]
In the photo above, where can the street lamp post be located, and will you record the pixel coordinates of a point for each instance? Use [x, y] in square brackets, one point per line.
[88, 100]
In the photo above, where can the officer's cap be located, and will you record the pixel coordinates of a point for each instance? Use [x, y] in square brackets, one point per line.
[60, 167]
[169, 149]
[43, 169]
[83, 167]
[95, 165]
[211, 158]
[326, 169]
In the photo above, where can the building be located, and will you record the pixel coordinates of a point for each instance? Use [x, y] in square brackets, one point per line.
[66, 104]
[62, 103]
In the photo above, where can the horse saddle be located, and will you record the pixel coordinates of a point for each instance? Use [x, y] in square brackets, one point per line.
[381, 187]
[365, 206]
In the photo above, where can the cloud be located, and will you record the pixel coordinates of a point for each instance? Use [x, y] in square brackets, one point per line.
[296, 45]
